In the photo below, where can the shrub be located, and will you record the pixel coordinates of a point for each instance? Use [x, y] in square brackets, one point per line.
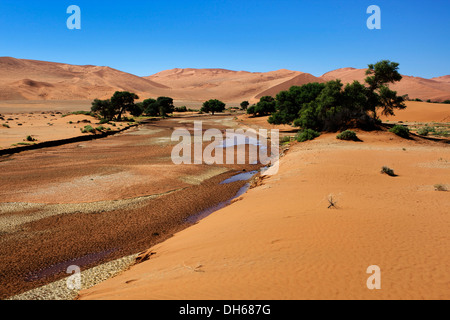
[31, 139]
[103, 121]
[401, 131]
[424, 131]
[307, 134]
[440, 187]
[5, 125]
[348, 135]
[101, 128]
[87, 129]
[284, 140]
[181, 109]
[388, 171]
[251, 110]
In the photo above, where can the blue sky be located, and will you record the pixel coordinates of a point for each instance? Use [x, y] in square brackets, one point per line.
[145, 37]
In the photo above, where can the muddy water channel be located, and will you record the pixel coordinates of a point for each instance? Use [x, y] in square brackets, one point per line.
[93, 202]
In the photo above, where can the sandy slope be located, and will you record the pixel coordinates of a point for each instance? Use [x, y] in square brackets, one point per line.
[422, 112]
[226, 85]
[280, 241]
[436, 89]
[32, 80]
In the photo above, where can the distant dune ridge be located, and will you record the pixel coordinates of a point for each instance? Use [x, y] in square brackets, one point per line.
[39, 80]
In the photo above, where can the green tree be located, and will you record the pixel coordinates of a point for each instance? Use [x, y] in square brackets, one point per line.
[289, 103]
[165, 106]
[380, 75]
[123, 101]
[104, 108]
[213, 106]
[151, 108]
[265, 106]
[244, 105]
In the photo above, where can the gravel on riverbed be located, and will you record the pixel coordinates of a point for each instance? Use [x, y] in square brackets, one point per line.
[59, 290]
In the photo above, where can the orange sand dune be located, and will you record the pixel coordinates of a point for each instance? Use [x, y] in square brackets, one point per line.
[226, 85]
[436, 89]
[34, 80]
[299, 80]
[280, 241]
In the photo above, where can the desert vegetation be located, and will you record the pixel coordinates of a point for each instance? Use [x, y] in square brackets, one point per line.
[123, 101]
[307, 134]
[400, 130]
[388, 171]
[331, 106]
[347, 135]
[213, 106]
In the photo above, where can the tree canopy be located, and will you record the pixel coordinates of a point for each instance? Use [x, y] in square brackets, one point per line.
[332, 106]
[123, 101]
[213, 106]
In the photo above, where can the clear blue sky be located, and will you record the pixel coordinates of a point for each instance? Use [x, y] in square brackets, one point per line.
[145, 37]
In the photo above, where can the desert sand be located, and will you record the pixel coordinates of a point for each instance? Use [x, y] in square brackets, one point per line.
[92, 202]
[281, 241]
[421, 112]
[435, 89]
[47, 126]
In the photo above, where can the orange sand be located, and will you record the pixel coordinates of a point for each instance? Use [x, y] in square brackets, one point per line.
[422, 112]
[280, 241]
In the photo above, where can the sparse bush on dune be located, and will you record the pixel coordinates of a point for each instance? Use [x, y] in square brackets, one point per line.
[401, 131]
[30, 138]
[440, 187]
[307, 134]
[6, 126]
[388, 171]
[347, 135]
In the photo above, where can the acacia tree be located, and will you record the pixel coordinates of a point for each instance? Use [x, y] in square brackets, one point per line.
[244, 105]
[380, 75]
[165, 106]
[150, 107]
[213, 106]
[104, 108]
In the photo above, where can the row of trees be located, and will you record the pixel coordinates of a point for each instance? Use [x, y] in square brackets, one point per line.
[124, 101]
[331, 106]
